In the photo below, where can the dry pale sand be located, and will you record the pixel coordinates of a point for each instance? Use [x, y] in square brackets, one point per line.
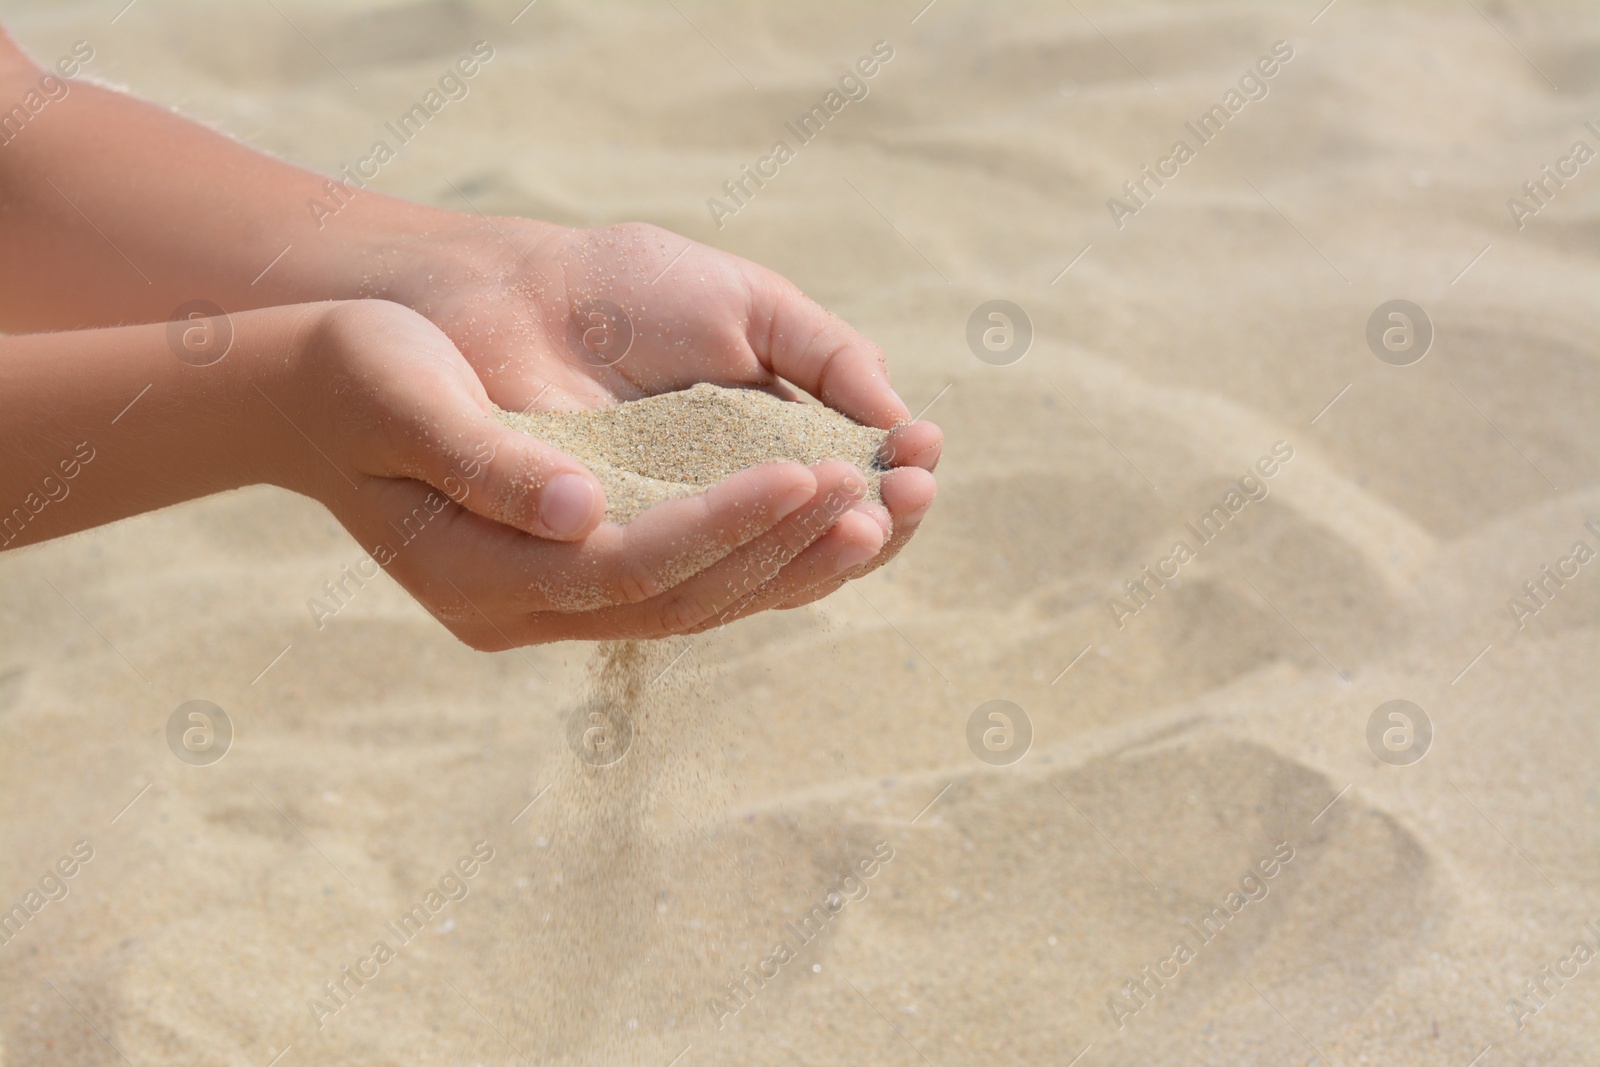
[680, 443]
[1216, 730]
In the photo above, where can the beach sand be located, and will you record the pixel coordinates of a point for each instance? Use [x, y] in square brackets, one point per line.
[1179, 752]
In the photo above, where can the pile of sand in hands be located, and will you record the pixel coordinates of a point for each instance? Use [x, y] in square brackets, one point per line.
[677, 444]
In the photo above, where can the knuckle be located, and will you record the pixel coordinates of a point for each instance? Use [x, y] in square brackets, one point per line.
[733, 612]
[635, 582]
[682, 611]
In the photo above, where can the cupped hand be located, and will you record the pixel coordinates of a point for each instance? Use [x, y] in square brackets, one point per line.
[556, 318]
[387, 424]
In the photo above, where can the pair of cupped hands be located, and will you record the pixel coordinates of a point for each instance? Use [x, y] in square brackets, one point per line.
[400, 392]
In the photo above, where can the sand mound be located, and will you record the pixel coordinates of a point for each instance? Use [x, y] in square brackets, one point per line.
[676, 444]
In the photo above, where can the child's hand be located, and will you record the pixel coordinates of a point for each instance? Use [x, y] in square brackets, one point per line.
[519, 298]
[404, 450]
[508, 292]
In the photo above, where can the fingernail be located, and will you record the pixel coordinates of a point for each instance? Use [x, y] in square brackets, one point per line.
[854, 556]
[567, 504]
[794, 500]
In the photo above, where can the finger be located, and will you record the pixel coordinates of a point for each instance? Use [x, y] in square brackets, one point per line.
[796, 338]
[671, 541]
[505, 572]
[908, 494]
[461, 449]
[713, 591]
[822, 568]
[914, 444]
[435, 423]
[853, 538]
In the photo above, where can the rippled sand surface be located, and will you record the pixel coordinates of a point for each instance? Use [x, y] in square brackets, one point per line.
[1204, 769]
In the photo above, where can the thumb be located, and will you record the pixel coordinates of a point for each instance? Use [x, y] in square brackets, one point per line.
[506, 475]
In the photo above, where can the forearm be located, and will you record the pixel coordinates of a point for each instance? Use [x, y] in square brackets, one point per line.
[114, 210]
[98, 425]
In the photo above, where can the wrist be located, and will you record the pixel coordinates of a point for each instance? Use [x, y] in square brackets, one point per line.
[272, 351]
